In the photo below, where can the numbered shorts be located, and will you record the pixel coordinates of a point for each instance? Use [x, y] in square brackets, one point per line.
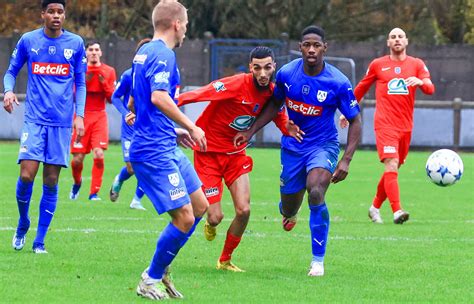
[213, 167]
[168, 180]
[295, 166]
[46, 144]
[392, 144]
[96, 133]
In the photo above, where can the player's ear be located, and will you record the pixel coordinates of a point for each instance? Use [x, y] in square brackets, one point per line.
[299, 45]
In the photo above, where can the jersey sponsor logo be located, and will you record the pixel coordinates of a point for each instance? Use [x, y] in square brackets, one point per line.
[386, 69]
[242, 123]
[398, 70]
[140, 59]
[55, 69]
[173, 179]
[209, 192]
[162, 77]
[321, 95]
[35, 51]
[305, 89]
[303, 108]
[52, 50]
[397, 86]
[68, 53]
[389, 149]
[219, 86]
[177, 193]
[77, 145]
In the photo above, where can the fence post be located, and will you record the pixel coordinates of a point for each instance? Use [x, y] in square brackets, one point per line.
[457, 105]
[208, 36]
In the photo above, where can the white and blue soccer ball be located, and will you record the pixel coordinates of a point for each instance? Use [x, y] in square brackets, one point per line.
[444, 167]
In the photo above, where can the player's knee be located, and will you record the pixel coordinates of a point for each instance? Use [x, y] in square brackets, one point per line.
[27, 177]
[50, 180]
[315, 196]
[98, 153]
[130, 169]
[215, 218]
[391, 164]
[77, 160]
[243, 212]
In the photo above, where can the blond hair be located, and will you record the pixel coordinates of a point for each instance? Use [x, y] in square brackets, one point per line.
[166, 12]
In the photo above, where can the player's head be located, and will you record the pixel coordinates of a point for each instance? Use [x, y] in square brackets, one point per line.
[170, 15]
[141, 43]
[313, 45]
[397, 41]
[262, 65]
[53, 13]
[93, 52]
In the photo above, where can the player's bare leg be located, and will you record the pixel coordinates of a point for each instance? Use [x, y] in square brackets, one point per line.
[28, 171]
[289, 207]
[240, 192]
[77, 164]
[214, 218]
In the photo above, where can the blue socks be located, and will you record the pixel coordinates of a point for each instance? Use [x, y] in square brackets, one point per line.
[46, 211]
[169, 243]
[123, 175]
[319, 226]
[24, 190]
[139, 193]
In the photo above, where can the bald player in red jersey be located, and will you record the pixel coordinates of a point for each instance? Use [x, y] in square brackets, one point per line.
[234, 104]
[100, 85]
[397, 76]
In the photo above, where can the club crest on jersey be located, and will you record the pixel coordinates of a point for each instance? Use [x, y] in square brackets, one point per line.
[174, 179]
[68, 53]
[52, 50]
[242, 123]
[322, 95]
[219, 86]
[397, 86]
[305, 90]
[162, 77]
[398, 70]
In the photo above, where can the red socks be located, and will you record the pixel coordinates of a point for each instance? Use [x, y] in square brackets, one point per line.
[392, 190]
[97, 173]
[77, 172]
[380, 196]
[231, 242]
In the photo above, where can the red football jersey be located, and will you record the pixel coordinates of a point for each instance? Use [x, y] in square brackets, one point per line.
[395, 101]
[99, 90]
[235, 102]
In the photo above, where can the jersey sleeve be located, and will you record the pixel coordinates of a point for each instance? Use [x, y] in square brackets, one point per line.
[109, 83]
[279, 90]
[17, 60]
[159, 72]
[80, 61]
[123, 86]
[218, 90]
[422, 70]
[348, 104]
[281, 120]
[364, 85]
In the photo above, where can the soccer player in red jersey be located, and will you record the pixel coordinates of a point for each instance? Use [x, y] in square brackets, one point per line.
[100, 85]
[235, 101]
[397, 76]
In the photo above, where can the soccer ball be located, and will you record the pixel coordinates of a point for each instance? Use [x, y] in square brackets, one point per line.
[444, 167]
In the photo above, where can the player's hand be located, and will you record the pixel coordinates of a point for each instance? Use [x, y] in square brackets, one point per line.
[341, 172]
[343, 122]
[199, 137]
[130, 118]
[242, 138]
[8, 100]
[413, 81]
[89, 76]
[184, 138]
[79, 126]
[294, 131]
[101, 78]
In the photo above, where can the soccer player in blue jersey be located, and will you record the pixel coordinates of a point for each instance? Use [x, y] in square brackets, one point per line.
[312, 90]
[56, 63]
[162, 170]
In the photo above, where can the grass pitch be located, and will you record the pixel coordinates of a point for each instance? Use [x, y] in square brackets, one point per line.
[97, 250]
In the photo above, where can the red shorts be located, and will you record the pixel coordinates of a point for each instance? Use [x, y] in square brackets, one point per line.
[212, 167]
[392, 144]
[96, 133]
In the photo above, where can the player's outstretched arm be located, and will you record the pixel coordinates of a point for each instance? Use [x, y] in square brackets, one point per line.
[166, 105]
[270, 110]
[353, 137]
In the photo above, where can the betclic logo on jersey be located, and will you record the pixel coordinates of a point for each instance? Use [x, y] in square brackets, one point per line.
[53, 69]
[303, 108]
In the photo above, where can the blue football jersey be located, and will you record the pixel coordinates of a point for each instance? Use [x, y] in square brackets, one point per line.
[120, 98]
[312, 101]
[52, 64]
[154, 69]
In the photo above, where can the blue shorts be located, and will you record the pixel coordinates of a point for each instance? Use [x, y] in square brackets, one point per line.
[167, 181]
[126, 141]
[46, 144]
[295, 166]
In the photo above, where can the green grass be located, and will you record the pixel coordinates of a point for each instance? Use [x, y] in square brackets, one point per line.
[97, 250]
